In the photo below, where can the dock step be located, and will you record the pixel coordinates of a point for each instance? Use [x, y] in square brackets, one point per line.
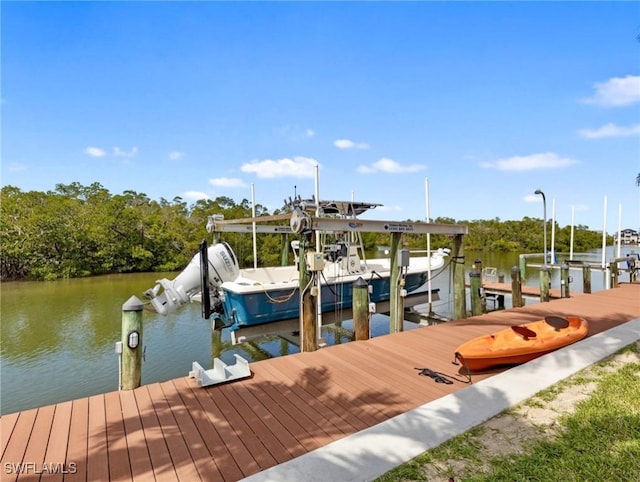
[221, 372]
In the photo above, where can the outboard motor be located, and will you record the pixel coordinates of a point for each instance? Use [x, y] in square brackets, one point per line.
[223, 266]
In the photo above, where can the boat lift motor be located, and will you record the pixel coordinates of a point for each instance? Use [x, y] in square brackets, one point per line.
[223, 266]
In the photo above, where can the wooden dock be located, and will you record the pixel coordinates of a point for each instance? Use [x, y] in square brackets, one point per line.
[491, 288]
[292, 405]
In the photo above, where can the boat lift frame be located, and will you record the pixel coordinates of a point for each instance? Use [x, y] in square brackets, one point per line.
[301, 222]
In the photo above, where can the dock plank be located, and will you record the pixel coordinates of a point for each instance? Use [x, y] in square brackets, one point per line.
[303, 427]
[56, 454]
[172, 434]
[301, 402]
[202, 459]
[37, 447]
[141, 468]
[14, 454]
[308, 392]
[255, 419]
[232, 430]
[97, 451]
[119, 462]
[161, 462]
[345, 402]
[7, 424]
[216, 446]
[78, 441]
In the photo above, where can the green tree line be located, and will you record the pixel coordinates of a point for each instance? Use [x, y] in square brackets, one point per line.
[78, 230]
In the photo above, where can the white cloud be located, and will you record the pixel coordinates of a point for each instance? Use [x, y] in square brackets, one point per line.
[546, 160]
[616, 92]
[120, 153]
[390, 166]
[299, 166]
[227, 182]
[95, 152]
[349, 144]
[195, 195]
[610, 130]
[310, 132]
[175, 155]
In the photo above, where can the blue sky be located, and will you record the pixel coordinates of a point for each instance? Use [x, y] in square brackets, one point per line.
[489, 101]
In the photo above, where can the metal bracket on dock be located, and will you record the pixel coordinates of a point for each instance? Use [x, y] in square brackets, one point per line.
[221, 372]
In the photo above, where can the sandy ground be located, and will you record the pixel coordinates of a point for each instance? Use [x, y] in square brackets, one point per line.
[531, 420]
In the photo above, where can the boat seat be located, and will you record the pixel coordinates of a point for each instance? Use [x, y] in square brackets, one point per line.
[524, 332]
[557, 322]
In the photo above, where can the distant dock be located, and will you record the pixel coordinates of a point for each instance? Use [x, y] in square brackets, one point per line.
[292, 405]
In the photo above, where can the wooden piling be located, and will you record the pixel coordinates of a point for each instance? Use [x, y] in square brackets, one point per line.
[565, 279]
[477, 264]
[545, 284]
[361, 309]
[308, 325]
[131, 361]
[613, 268]
[586, 278]
[516, 288]
[284, 249]
[396, 315]
[475, 283]
[459, 292]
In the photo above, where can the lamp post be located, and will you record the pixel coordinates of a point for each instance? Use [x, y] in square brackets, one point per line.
[544, 207]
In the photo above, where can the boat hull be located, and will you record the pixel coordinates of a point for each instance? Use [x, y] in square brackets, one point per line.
[521, 343]
[269, 305]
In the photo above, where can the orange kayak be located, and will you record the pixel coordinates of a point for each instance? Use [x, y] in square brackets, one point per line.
[521, 343]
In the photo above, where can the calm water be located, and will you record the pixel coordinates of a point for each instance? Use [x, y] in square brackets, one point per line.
[58, 337]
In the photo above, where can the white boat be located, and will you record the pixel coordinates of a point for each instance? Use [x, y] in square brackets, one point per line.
[254, 296]
[265, 295]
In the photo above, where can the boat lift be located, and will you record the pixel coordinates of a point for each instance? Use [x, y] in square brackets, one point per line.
[300, 222]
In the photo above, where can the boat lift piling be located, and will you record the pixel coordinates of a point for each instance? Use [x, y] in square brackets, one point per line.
[309, 289]
[395, 296]
[459, 291]
[361, 316]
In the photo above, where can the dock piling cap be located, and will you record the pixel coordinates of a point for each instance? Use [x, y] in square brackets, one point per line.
[360, 283]
[133, 304]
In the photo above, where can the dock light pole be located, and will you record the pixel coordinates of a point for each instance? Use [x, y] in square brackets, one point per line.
[544, 207]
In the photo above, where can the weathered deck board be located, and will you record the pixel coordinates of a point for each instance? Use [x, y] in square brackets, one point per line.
[163, 468]
[175, 430]
[78, 440]
[141, 468]
[16, 443]
[59, 438]
[97, 450]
